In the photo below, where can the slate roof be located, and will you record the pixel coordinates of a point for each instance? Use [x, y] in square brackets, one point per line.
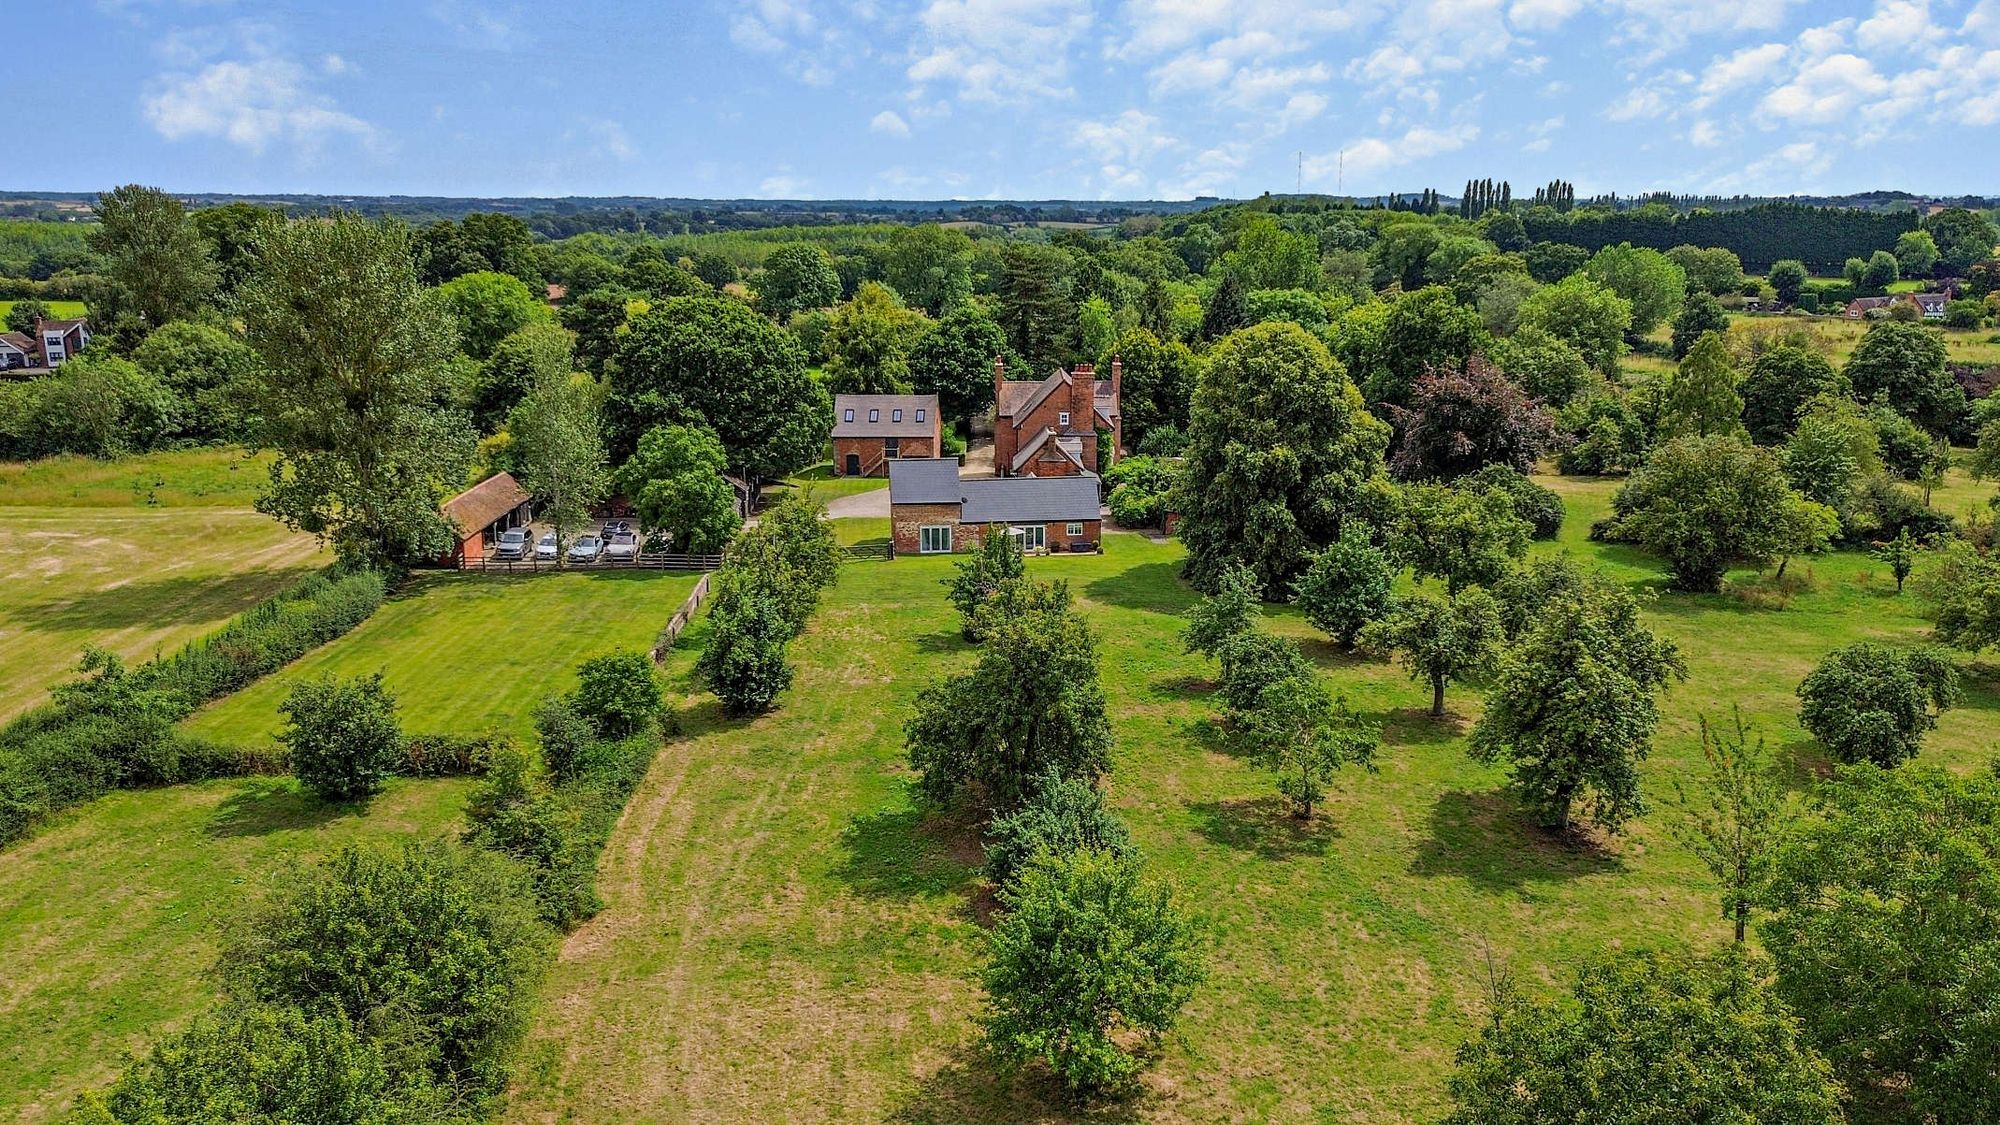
[924, 480]
[20, 342]
[887, 405]
[472, 510]
[1031, 500]
[1071, 447]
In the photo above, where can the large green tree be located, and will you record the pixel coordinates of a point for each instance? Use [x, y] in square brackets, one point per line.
[954, 360]
[1643, 276]
[675, 481]
[558, 449]
[489, 307]
[1962, 237]
[1777, 387]
[523, 360]
[1870, 702]
[1583, 314]
[1281, 452]
[1705, 504]
[1646, 1039]
[1466, 537]
[1700, 314]
[796, 277]
[1903, 365]
[161, 266]
[929, 266]
[1440, 639]
[1037, 304]
[351, 388]
[713, 361]
[869, 341]
[1158, 382]
[1701, 401]
[1426, 331]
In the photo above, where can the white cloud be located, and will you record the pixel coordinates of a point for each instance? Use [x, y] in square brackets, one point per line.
[1379, 154]
[605, 138]
[1132, 137]
[1542, 15]
[1829, 90]
[1791, 168]
[251, 102]
[1749, 65]
[1826, 39]
[889, 123]
[782, 184]
[1704, 134]
[1983, 22]
[1898, 25]
[999, 51]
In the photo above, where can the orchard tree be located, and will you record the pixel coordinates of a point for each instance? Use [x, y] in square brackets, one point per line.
[1705, 504]
[489, 307]
[1281, 452]
[1647, 278]
[1089, 960]
[977, 578]
[1899, 555]
[1788, 280]
[1903, 364]
[675, 482]
[1700, 314]
[1440, 639]
[1572, 705]
[558, 448]
[1464, 537]
[744, 661]
[1460, 421]
[1064, 815]
[1646, 1037]
[1346, 587]
[1894, 880]
[1873, 703]
[1300, 732]
[1583, 314]
[1702, 400]
[1252, 661]
[1158, 382]
[1031, 705]
[1731, 815]
[355, 360]
[1221, 617]
[954, 361]
[713, 361]
[158, 261]
[341, 736]
[796, 277]
[1777, 387]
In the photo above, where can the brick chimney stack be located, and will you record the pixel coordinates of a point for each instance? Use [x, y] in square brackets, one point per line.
[1117, 379]
[999, 377]
[1082, 397]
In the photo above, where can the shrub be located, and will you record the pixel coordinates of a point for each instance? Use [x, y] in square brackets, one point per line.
[744, 663]
[1134, 507]
[431, 947]
[1163, 441]
[1346, 587]
[976, 578]
[1088, 956]
[565, 735]
[341, 735]
[449, 755]
[1228, 613]
[1872, 703]
[1539, 506]
[618, 693]
[1254, 660]
[1063, 815]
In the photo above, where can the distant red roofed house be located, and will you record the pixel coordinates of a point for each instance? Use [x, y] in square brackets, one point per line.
[483, 511]
[1931, 305]
[1049, 428]
[18, 350]
[62, 339]
[1860, 307]
[869, 431]
[555, 293]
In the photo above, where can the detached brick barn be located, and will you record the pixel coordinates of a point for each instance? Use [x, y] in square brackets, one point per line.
[870, 431]
[932, 510]
[483, 511]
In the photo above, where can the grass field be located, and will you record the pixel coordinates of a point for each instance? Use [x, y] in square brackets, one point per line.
[789, 938]
[825, 485]
[61, 310]
[1978, 345]
[467, 653]
[138, 555]
[109, 921]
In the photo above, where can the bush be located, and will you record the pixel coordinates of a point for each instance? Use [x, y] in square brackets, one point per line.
[1088, 957]
[1063, 815]
[448, 755]
[1872, 703]
[1163, 441]
[431, 947]
[618, 693]
[976, 578]
[1346, 587]
[565, 734]
[1134, 507]
[341, 735]
[744, 663]
[1539, 506]
[1254, 660]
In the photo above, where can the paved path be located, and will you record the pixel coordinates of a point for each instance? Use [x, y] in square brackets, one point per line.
[873, 503]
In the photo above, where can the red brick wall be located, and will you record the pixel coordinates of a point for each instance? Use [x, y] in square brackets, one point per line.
[873, 463]
[905, 520]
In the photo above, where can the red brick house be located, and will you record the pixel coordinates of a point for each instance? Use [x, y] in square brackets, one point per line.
[62, 339]
[1049, 428]
[481, 512]
[932, 510]
[870, 431]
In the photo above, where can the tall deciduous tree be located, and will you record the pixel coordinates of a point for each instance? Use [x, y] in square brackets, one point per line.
[351, 388]
[1645, 277]
[868, 344]
[1777, 387]
[1440, 639]
[1903, 364]
[1426, 332]
[796, 277]
[929, 266]
[1962, 237]
[558, 446]
[1281, 452]
[714, 361]
[1583, 314]
[1572, 705]
[489, 307]
[1158, 382]
[1702, 400]
[157, 259]
[954, 361]
[1788, 279]
[1707, 503]
[1700, 314]
[1460, 421]
[1916, 253]
[526, 358]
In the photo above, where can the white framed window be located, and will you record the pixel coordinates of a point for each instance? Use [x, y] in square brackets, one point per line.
[920, 413]
[896, 415]
[1073, 530]
[874, 415]
[1062, 418]
[847, 415]
[1034, 536]
[934, 539]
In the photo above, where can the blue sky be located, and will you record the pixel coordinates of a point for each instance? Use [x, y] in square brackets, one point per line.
[1017, 98]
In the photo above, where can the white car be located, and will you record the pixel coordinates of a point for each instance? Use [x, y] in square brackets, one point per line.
[622, 548]
[545, 547]
[588, 548]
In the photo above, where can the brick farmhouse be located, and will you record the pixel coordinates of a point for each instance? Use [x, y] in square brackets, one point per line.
[871, 431]
[932, 510]
[1050, 428]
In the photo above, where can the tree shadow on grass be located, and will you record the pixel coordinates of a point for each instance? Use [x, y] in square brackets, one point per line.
[1416, 726]
[908, 853]
[1152, 587]
[974, 1086]
[142, 602]
[1489, 839]
[270, 804]
[949, 640]
[1264, 826]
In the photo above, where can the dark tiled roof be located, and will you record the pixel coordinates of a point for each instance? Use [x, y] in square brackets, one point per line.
[1031, 499]
[1071, 447]
[924, 480]
[887, 405]
[19, 340]
[480, 505]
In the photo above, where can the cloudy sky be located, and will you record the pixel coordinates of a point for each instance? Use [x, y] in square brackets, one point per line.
[1015, 98]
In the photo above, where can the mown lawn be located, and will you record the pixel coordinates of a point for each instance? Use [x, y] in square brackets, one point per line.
[790, 938]
[466, 653]
[824, 485]
[110, 920]
[139, 555]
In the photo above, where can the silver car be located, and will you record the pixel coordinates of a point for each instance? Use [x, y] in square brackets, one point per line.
[622, 548]
[586, 549]
[545, 547]
[511, 544]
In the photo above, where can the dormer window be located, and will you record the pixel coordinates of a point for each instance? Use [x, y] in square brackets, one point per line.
[874, 415]
[896, 415]
[848, 416]
[920, 413]
[1062, 418]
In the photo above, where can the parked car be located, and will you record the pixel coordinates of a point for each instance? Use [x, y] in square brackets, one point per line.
[511, 544]
[614, 528]
[587, 548]
[623, 547]
[545, 547]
